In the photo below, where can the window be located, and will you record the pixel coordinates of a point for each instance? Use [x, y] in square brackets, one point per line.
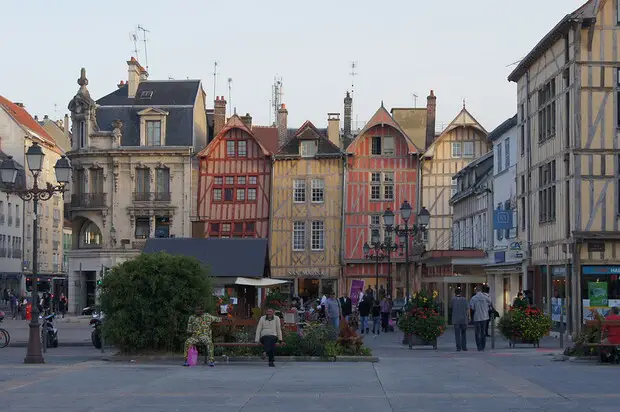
[299, 236]
[500, 158]
[523, 213]
[143, 227]
[217, 195]
[546, 111]
[230, 180]
[241, 180]
[299, 191]
[317, 235]
[454, 187]
[241, 194]
[238, 228]
[546, 192]
[375, 186]
[522, 130]
[382, 186]
[228, 195]
[218, 180]
[96, 180]
[456, 149]
[226, 228]
[143, 180]
[507, 206]
[242, 148]
[153, 132]
[376, 145]
[251, 194]
[82, 134]
[230, 148]
[507, 152]
[307, 148]
[388, 185]
[500, 232]
[252, 180]
[388, 146]
[250, 228]
[318, 189]
[477, 230]
[618, 182]
[162, 182]
[468, 149]
[17, 217]
[375, 226]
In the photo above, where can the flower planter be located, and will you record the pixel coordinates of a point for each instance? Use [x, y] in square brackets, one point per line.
[415, 340]
[516, 341]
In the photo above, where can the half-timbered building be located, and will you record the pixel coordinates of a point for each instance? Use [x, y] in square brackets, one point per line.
[234, 184]
[382, 171]
[306, 211]
[459, 144]
[569, 161]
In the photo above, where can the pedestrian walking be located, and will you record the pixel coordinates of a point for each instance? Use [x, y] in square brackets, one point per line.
[332, 311]
[269, 332]
[460, 313]
[5, 296]
[62, 304]
[480, 304]
[14, 305]
[386, 308]
[376, 317]
[346, 306]
[199, 325]
[364, 308]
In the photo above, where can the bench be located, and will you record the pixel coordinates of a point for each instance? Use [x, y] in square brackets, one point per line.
[600, 345]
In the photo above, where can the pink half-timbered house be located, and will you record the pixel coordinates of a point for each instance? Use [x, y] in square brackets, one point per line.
[234, 184]
[382, 171]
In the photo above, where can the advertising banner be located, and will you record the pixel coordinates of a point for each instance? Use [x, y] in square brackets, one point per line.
[597, 293]
[357, 288]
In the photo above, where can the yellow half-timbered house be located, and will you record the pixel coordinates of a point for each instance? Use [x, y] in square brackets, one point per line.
[306, 212]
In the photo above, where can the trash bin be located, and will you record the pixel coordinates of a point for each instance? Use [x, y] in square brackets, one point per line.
[29, 311]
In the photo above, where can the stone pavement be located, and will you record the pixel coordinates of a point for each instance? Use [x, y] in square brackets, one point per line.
[521, 379]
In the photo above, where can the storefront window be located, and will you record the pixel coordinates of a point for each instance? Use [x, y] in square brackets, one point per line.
[600, 289]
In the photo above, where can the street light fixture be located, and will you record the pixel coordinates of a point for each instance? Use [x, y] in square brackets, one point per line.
[405, 231]
[8, 175]
[381, 250]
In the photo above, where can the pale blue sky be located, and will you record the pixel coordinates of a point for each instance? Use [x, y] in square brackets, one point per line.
[458, 48]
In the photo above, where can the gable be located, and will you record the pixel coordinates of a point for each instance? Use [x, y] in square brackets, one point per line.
[462, 120]
[325, 148]
[233, 123]
[382, 118]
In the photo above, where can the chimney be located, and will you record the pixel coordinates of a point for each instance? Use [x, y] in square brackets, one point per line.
[121, 84]
[18, 104]
[348, 104]
[333, 128]
[66, 126]
[36, 118]
[219, 115]
[247, 120]
[45, 117]
[134, 75]
[431, 109]
[282, 123]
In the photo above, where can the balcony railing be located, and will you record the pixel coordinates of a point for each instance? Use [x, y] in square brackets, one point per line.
[151, 196]
[88, 200]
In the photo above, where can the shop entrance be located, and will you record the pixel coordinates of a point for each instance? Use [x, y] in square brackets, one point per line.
[445, 287]
[308, 289]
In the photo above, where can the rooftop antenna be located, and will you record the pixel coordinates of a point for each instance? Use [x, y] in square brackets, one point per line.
[215, 73]
[353, 73]
[276, 96]
[134, 38]
[229, 95]
[415, 100]
[56, 110]
[515, 63]
[146, 56]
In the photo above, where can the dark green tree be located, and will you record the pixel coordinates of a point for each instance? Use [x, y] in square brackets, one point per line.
[148, 300]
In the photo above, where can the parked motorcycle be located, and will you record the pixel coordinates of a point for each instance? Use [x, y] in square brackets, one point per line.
[95, 335]
[50, 330]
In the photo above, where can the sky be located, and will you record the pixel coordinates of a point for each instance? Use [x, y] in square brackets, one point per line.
[459, 49]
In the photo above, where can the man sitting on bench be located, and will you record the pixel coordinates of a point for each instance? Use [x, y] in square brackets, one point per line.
[199, 325]
[611, 333]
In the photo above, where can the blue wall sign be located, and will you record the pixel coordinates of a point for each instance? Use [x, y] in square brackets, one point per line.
[502, 219]
[600, 270]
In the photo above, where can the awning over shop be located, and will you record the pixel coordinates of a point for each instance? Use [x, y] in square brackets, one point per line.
[260, 283]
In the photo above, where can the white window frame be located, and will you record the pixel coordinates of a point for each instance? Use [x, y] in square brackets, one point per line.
[385, 150]
[454, 187]
[308, 148]
[376, 225]
[299, 191]
[244, 152]
[252, 194]
[317, 241]
[456, 150]
[385, 179]
[507, 152]
[151, 137]
[500, 157]
[387, 182]
[318, 191]
[468, 150]
[299, 236]
[82, 134]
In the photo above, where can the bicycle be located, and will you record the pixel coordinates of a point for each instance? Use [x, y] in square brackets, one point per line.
[5, 337]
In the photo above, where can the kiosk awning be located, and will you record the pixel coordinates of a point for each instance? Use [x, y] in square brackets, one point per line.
[261, 283]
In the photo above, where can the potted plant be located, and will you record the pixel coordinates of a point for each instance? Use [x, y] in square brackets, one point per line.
[421, 321]
[524, 325]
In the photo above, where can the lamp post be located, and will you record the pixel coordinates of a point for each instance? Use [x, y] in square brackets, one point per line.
[8, 175]
[381, 250]
[389, 245]
[405, 231]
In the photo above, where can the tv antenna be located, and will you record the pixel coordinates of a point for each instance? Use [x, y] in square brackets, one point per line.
[415, 100]
[146, 56]
[515, 63]
[353, 73]
[134, 38]
[215, 73]
[229, 95]
[276, 96]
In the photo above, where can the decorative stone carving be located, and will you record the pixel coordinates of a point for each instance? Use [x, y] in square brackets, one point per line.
[118, 134]
[104, 217]
[162, 165]
[115, 173]
[82, 106]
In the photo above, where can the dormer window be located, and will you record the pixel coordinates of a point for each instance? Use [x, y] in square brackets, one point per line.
[153, 132]
[152, 127]
[146, 94]
[308, 148]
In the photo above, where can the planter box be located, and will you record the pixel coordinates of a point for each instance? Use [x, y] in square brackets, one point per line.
[514, 342]
[415, 340]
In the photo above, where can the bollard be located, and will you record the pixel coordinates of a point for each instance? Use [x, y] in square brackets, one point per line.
[44, 329]
[493, 331]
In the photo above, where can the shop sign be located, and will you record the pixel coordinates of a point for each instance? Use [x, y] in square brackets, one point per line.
[558, 271]
[596, 247]
[600, 270]
[307, 273]
[597, 293]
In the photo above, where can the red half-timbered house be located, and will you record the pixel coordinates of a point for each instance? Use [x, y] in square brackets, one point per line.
[382, 171]
[234, 184]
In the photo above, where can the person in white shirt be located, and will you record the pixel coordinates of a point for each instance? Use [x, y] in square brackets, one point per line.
[269, 332]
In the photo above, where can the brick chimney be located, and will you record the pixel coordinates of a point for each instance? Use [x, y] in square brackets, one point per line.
[348, 105]
[135, 73]
[282, 124]
[431, 110]
[333, 128]
[247, 120]
[219, 115]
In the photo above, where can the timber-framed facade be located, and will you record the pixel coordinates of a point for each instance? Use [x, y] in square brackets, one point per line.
[567, 173]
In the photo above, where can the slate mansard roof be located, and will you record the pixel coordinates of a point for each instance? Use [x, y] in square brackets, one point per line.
[235, 257]
[325, 148]
[177, 97]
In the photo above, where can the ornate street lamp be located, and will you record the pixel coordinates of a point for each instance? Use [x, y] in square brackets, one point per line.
[8, 175]
[378, 250]
[403, 232]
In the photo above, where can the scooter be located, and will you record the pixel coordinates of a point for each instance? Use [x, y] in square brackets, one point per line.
[49, 333]
[95, 336]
